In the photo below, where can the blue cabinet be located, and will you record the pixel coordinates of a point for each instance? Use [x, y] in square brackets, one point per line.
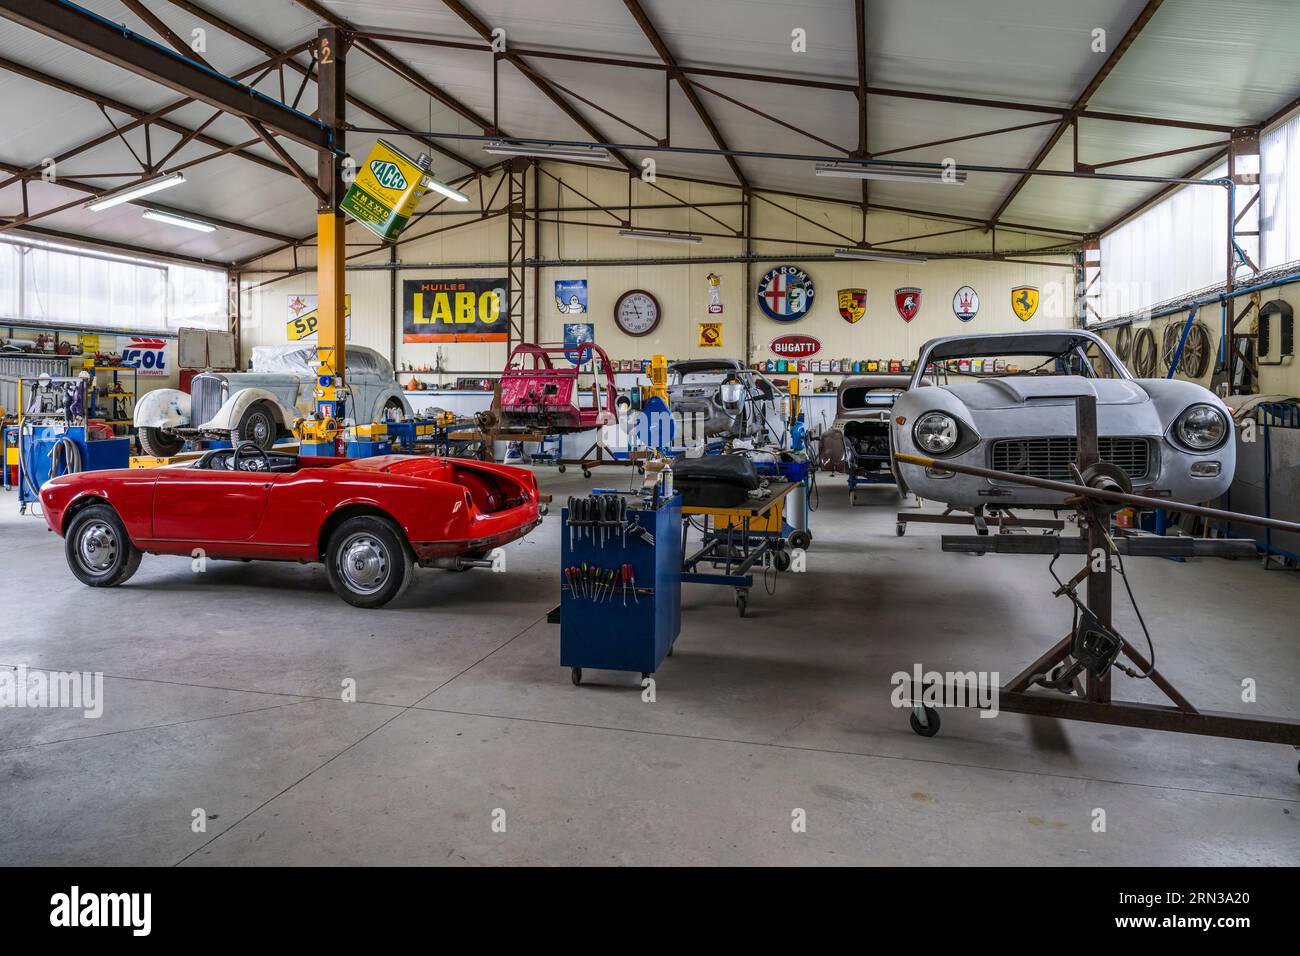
[613, 627]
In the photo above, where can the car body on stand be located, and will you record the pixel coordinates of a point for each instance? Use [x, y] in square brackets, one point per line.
[728, 399]
[864, 416]
[1006, 401]
[262, 405]
[369, 520]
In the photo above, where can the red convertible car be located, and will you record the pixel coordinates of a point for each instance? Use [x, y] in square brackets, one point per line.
[369, 520]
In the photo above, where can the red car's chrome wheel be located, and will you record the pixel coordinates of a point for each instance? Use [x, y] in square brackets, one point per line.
[97, 547]
[368, 561]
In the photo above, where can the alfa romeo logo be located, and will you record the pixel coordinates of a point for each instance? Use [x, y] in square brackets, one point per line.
[786, 293]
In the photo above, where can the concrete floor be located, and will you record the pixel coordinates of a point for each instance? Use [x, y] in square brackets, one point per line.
[223, 693]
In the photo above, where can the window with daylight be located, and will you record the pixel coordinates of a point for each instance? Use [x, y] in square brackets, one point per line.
[60, 285]
[1279, 221]
[1175, 247]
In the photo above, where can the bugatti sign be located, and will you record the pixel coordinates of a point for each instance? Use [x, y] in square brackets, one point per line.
[785, 293]
[796, 346]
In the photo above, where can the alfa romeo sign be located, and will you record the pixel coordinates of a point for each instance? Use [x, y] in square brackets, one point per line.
[786, 293]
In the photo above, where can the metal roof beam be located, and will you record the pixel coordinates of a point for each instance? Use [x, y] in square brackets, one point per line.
[661, 48]
[108, 41]
[88, 189]
[258, 43]
[481, 28]
[140, 117]
[1080, 103]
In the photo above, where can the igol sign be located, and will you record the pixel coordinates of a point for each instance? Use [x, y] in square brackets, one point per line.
[795, 346]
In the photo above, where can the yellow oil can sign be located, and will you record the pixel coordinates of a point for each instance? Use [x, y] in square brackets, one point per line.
[388, 187]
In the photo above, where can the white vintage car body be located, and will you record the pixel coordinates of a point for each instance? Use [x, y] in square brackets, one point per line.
[282, 383]
[1025, 423]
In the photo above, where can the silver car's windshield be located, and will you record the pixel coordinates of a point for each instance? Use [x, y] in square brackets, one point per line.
[1042, 354]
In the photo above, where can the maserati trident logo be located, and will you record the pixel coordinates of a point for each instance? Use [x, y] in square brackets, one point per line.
[965, 303]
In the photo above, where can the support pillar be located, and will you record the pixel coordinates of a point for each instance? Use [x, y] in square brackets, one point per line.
[516, 230]
[318, 435]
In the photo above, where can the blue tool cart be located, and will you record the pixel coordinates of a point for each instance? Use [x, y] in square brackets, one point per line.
[49, 449]
[620, 583]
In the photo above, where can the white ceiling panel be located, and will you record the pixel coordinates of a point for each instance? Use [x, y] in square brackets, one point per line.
[1201, 60]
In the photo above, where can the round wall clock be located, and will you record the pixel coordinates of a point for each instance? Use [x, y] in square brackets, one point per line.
[636, 312]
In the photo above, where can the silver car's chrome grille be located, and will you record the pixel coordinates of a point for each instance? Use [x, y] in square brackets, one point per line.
[1051, 457]
[205, 397]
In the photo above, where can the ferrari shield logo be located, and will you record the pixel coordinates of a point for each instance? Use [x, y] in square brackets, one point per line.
[1024, 299]
[853, 304]
[908, 303]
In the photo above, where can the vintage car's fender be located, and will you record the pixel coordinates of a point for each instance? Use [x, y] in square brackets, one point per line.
[385, 396]
[229, 414]
[162, 408]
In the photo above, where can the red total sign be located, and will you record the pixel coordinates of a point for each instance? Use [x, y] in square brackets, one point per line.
[796, 346]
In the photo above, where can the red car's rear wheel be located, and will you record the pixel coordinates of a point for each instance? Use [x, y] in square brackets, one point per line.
[97, 547]
[368, 561]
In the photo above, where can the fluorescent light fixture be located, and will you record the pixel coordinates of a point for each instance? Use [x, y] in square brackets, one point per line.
[181, 221]
[659, 236]
[449, 191]
[900, 174]
[540, 151]
[866, 255]
[109, 200]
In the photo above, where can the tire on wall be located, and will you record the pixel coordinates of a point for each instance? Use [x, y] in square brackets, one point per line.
[99, 552]
[258, 425]
[368, 561]
[159, 443]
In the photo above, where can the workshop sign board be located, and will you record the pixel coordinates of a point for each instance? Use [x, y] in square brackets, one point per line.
[147, 355]
[571, 296]
[304, 322]
[796, 346]
[786, 293]
[454, 310]
[710, 335]
[575, 335]
[388, 187]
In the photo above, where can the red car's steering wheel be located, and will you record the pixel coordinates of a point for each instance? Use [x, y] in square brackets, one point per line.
[254, 450]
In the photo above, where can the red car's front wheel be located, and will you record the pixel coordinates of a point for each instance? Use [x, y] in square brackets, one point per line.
[97, 547]
[368, 561]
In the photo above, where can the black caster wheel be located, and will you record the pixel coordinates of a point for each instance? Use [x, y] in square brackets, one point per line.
[640, 469]
[900, 529]
[575, 675]
[645, 674]
[782, 560]
[800, 539]
[742, 602]
[931, 725]
[561, 469]
[586, 472]
[670, 652]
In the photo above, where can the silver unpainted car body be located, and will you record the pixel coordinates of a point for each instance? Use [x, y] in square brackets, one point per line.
[1026, 424]
[699, 388]
[864, 413]
[282, 383]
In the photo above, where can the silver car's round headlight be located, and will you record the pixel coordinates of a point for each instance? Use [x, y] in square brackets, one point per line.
[935, 432]
[1201, 427]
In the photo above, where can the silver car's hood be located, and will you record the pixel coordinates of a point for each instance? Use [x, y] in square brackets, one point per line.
[1017, 391]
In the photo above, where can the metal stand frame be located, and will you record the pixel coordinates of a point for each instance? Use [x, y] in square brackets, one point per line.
[1092, 700]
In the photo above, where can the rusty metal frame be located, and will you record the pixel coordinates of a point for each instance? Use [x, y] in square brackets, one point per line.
[1080, 105]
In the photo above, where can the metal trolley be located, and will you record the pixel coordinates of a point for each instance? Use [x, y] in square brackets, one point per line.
[737, 539]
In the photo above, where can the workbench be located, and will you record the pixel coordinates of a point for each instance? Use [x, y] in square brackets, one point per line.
[738, 538]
